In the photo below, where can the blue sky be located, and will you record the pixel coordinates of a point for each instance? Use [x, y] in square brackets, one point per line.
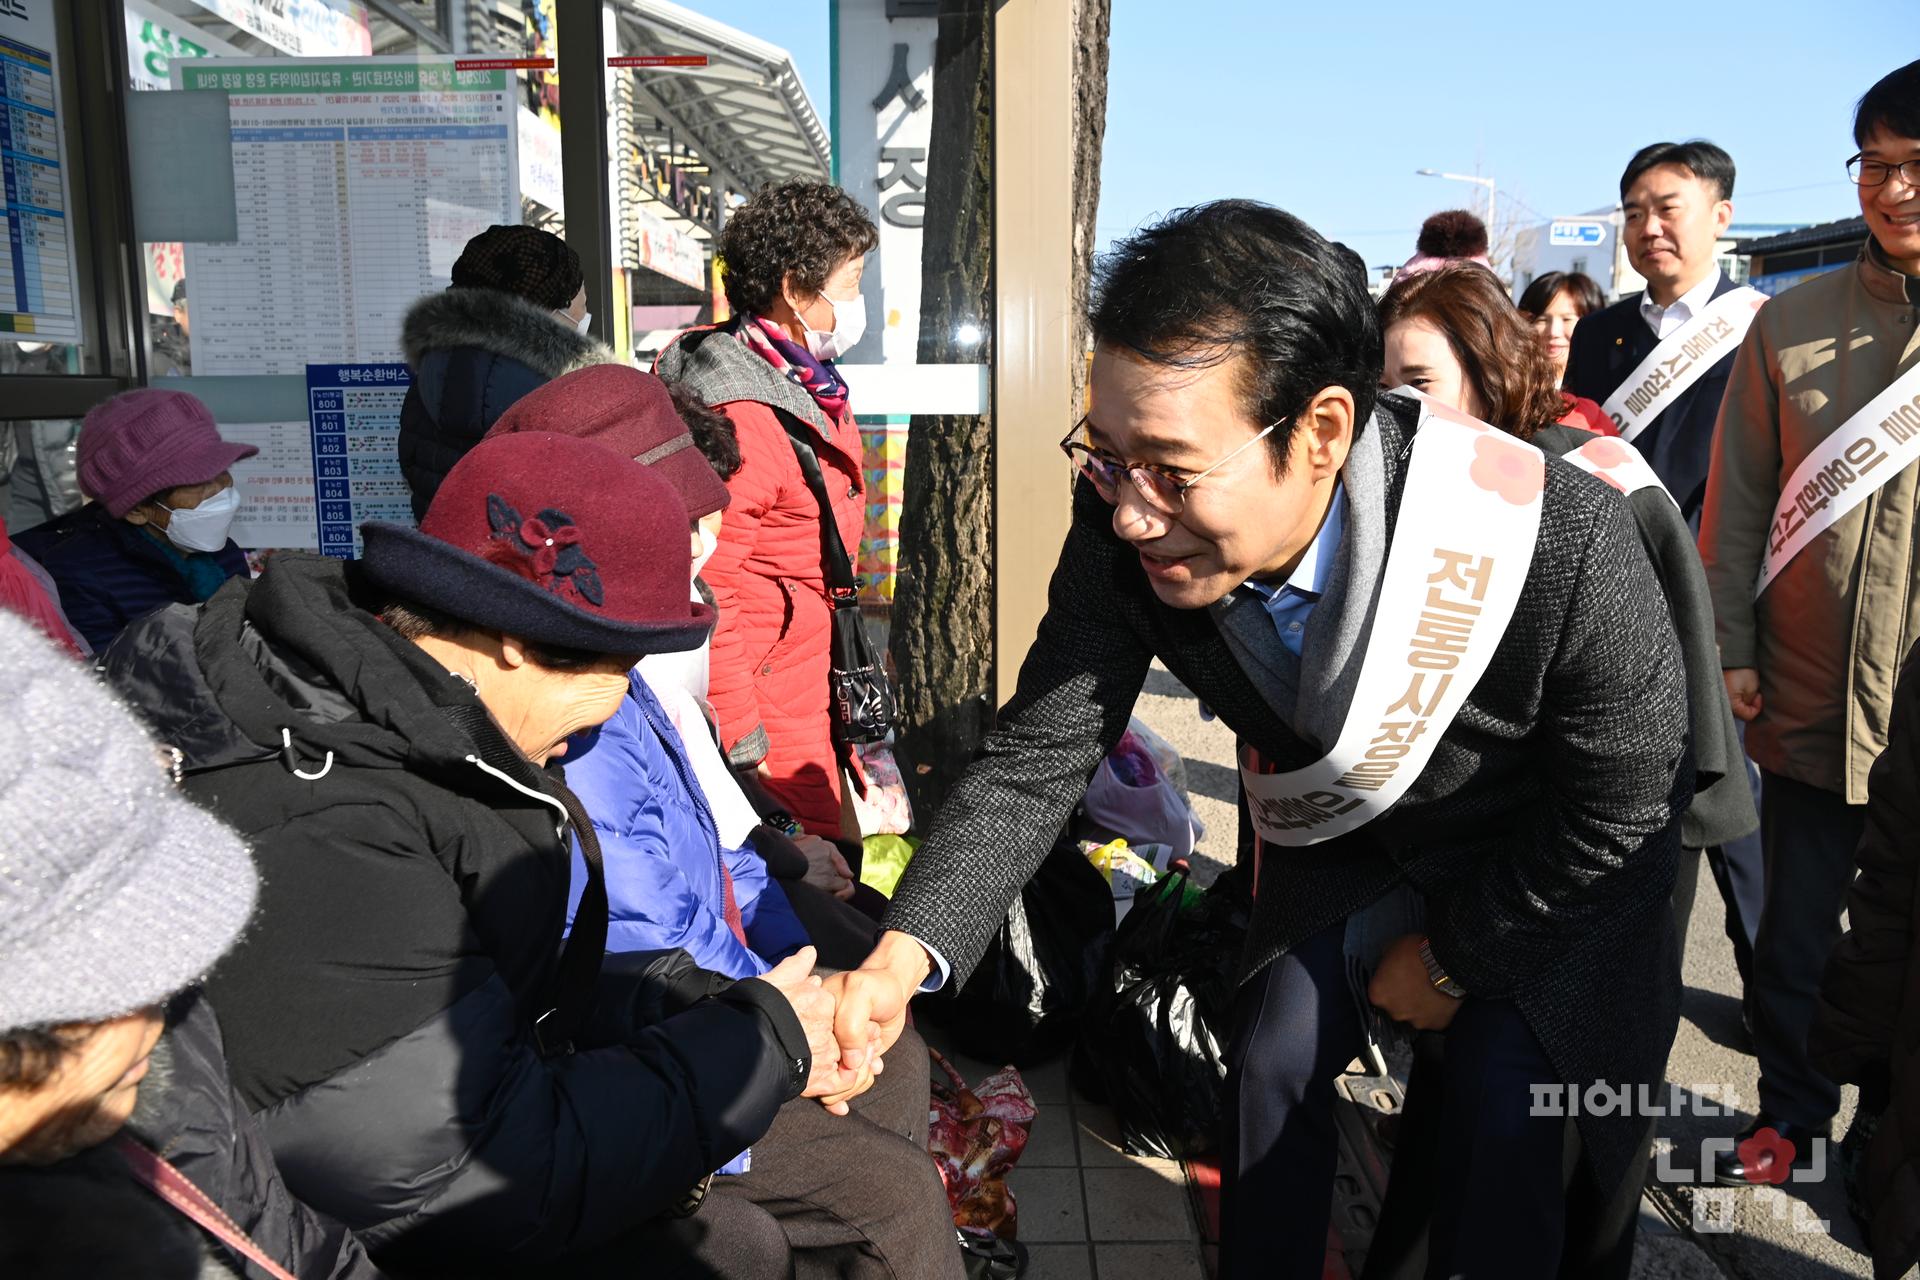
[1327, 109]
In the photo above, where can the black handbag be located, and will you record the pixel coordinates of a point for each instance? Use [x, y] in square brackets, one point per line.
[860, 695]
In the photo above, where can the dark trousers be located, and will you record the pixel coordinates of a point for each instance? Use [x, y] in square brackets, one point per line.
[858, 1195]
[1599, 1228]
[1739, 871]
[1809, 835]
[1500, 1209]
[842, 933]
[725, 1240]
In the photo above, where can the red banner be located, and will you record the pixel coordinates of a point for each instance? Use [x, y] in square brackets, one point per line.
[503, 64]
[660, 60]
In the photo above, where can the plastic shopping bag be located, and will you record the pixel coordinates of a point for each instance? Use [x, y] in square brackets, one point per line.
[884, 860]
[1047, 963]
[975, 1136]
[1134, 796]
[879, 794]
[1155, 1047]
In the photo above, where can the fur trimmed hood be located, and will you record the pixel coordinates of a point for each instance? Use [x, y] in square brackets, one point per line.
[503, 323]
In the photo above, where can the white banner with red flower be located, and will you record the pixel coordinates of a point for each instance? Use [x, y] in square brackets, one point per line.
[1469, 517]
[1617, 463]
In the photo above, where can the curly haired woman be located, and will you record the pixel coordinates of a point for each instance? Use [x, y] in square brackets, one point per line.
[793, 256]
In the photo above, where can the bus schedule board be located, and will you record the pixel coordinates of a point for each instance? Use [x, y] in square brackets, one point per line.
[358, 183]
[37, 267]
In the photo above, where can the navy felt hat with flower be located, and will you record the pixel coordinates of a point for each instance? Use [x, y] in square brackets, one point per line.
[548, 538]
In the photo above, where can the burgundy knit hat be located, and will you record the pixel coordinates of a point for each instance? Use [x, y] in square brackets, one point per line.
[552, 540]
[146, 442]
[629, 412]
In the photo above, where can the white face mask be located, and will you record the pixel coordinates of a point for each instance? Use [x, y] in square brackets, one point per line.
[849, 326]
[580, 325]
[204, 528]
[709, 543]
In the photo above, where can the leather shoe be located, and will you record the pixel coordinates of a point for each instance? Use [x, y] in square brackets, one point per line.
[1766, 1152]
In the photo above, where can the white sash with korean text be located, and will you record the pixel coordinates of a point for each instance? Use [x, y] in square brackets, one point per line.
[1867, 450]
[1681, 359]
[1617, 463]
[1469, 517]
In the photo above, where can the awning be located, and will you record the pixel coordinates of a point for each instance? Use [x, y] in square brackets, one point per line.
[745, 113]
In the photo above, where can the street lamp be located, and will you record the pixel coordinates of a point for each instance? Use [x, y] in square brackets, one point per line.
[1465, 177]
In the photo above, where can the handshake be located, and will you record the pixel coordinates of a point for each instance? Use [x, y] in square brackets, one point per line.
[851, 1018]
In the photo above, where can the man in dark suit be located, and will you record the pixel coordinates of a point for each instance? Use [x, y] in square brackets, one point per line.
[1678, 199]
[1239, 490]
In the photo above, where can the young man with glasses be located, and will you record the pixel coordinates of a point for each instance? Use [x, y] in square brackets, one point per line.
[1497, 870]
[1808, 539]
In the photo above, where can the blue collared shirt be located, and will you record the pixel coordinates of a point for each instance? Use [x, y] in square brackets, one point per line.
[1290, 604]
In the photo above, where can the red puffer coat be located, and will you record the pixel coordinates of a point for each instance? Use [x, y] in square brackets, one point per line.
[769, 660]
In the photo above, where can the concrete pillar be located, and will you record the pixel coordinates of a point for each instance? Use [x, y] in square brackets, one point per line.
[1033, 355]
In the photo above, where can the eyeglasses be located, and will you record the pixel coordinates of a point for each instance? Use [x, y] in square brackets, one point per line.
[1162, 487]
[1874, 173]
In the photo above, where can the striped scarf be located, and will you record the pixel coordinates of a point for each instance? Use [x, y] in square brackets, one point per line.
[818, 378]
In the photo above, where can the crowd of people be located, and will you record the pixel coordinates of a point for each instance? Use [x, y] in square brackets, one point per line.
[490, 904]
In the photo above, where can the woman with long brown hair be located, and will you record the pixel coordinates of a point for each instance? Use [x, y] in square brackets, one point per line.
[1453, 334]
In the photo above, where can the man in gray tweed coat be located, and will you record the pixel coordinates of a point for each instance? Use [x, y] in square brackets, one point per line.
[1240, 492]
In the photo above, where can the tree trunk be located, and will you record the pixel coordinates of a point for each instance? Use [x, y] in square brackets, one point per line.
[942, 637]
[1092, 20]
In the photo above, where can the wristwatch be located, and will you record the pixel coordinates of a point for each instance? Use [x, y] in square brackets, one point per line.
[1438, 976]
[782, 821]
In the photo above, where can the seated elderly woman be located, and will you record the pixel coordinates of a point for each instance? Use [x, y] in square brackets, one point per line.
[859, 1191]
[109, 1058]
[156, 531]
[428, 1061]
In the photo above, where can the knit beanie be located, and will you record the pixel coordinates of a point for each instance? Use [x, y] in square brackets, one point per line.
[536, 264]
[115, 890]
[629, 412]
[148, 441]
[1452, 235]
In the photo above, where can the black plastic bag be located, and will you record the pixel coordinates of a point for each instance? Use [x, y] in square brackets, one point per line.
[1049, 961]
[1155, 1047]
[985, 1256]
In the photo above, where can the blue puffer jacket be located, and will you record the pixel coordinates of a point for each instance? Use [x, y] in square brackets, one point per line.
[663, 851]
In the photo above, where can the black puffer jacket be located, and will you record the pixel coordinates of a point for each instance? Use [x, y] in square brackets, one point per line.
[474, 352]
[379, 1012]
[86, 1216]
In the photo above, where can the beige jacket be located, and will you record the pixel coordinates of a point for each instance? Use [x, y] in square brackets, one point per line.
[1829, 633]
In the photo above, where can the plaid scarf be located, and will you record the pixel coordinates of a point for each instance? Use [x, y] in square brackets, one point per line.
[818, 378]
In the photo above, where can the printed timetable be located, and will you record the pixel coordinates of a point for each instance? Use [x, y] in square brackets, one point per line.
[359, 184]
[37, 264]
[354, 412]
